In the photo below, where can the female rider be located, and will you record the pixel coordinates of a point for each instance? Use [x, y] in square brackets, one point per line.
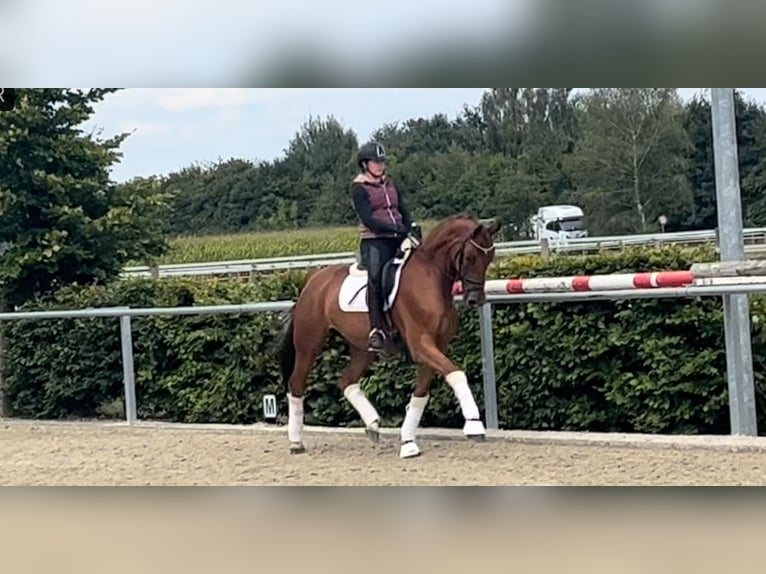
[385, 221]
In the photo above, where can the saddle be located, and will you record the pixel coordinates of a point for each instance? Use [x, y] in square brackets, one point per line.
[351, 297]
[390, 272]
[353, 292]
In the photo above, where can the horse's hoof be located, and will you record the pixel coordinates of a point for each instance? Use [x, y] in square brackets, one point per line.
[297, 448]
[373, 431]
[474, 430]
[409, 450]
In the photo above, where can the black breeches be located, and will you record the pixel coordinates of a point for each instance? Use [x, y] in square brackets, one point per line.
[375, 253]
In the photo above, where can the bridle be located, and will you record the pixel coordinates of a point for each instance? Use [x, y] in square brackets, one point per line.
[459, 260]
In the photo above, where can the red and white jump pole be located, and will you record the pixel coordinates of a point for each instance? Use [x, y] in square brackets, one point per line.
[617, 281]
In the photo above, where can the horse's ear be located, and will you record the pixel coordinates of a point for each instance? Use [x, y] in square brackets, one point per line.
[492, 226]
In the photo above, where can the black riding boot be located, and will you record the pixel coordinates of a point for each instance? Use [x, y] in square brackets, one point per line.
[377, 337]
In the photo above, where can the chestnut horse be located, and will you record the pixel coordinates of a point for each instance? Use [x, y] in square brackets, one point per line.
[460, 249]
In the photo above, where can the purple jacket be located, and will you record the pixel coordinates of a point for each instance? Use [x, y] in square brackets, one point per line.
[379, 206]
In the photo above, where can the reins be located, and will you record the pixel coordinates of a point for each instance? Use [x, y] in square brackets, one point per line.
[460, 260]
[455, 272]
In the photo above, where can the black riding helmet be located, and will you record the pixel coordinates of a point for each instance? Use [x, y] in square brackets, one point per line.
[371, 151]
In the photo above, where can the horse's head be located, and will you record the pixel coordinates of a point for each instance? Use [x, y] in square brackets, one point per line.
[464, 248]
[472, 260]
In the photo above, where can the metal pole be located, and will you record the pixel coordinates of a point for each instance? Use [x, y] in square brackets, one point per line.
[126, 339]
[488, 365]
[739, 359]
[2, 368]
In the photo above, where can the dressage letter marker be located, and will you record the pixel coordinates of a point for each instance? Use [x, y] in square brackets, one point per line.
[7, 99]
[269, 407]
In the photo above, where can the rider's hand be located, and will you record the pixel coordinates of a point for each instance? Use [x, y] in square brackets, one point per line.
[415, 235]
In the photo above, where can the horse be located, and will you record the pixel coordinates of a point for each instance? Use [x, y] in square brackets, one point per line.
[418, 286]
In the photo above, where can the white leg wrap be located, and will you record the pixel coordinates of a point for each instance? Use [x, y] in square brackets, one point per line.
[415, 410]
[459, 383]
[355, 395]
[295, 418]
[409, 450]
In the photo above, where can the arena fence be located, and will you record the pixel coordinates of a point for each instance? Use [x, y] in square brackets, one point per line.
[673, 284]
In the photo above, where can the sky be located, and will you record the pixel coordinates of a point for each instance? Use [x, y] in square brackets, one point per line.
[175, 127]
[223, 43]
[229, 45]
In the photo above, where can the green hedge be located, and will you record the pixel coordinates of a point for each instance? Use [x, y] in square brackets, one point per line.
[648, 366]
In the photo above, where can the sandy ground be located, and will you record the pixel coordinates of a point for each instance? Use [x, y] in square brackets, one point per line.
[120, 455]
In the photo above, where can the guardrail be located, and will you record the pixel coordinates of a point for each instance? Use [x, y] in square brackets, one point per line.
[755, 235]
[737, 408]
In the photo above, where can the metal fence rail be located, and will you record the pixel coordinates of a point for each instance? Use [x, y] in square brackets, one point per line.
[485, 323]
[126, 333]
[754, 235]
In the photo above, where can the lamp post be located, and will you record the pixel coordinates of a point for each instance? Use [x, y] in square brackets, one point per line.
[663, 222]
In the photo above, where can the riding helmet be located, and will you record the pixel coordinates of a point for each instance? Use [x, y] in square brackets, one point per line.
[371, 151]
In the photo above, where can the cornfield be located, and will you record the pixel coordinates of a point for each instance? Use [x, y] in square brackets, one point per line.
[239, 246]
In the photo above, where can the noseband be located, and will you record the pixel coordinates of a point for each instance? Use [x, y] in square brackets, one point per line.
[459, 260]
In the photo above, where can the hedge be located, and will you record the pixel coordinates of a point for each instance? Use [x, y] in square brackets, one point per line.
[624, 366]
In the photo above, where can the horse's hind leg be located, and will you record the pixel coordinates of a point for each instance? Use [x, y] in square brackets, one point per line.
[349, 384]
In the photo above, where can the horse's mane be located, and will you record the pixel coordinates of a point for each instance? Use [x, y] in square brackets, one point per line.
[448, 233]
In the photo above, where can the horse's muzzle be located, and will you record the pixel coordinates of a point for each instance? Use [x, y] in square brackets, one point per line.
[475, 298]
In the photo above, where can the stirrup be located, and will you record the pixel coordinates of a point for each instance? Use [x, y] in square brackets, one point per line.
[380, 332]
[383, 338]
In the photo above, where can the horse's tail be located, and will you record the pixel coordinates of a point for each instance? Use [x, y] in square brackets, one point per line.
[286, 351]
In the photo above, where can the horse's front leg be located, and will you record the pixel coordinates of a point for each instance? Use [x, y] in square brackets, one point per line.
[426, 352]
[415, 409]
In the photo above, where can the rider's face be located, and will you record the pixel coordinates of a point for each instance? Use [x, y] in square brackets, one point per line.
[376, 168]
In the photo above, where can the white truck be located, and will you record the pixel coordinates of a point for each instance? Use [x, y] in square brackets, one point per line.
[558, 223]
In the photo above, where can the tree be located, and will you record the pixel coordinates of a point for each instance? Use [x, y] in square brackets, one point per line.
[537, 127]
[699, 128]
[753, 172]
[625, 155]
[187, 189]
[62, 220]
[630, 164]
[751, 143]
[433, 135]
[317, 163]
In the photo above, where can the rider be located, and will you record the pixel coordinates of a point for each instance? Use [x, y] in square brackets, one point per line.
[385, 221]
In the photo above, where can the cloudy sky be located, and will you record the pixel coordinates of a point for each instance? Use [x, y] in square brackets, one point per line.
[154, 44]
[175, 127]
